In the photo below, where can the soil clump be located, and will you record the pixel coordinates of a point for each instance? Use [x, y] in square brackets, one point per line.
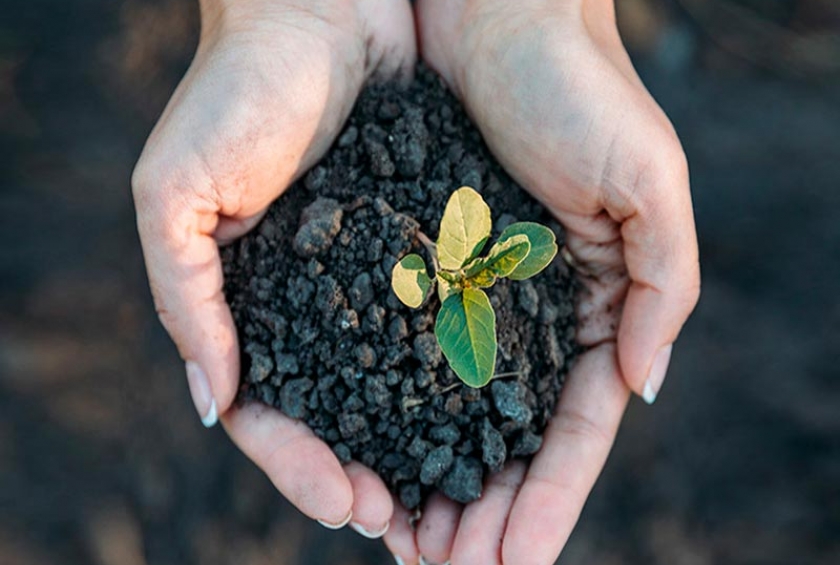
[325, 340]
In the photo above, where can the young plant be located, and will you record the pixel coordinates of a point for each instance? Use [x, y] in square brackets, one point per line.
[466, 323]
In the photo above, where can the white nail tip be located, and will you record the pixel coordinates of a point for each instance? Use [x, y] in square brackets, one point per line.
[648, 394]
[368, 534]
[336, 526]
[424, 562]
[399, 560]
[209, 420]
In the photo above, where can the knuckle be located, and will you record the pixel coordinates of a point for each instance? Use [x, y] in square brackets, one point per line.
[576, 424]
[474, 554]
[672, 158]
[692, 291]
[142, 182]
[644, 176]
[153, 187]
[167, 198]
[664, 171]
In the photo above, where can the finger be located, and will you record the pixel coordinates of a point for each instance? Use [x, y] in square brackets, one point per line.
[660, 250]
[372, 503]
[185, 274]
[392, 46]
[482, 527]
[437, 25]
[299, 464]
[574, 451]
[436, 530]
[400, 537]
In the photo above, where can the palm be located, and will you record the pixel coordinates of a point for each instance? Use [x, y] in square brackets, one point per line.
[561, 107]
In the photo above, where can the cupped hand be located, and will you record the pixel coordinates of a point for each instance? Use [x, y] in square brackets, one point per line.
[270, 85]
[553, 91]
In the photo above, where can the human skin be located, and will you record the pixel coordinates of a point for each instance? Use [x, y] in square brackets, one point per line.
[552, 90]
[271, 83]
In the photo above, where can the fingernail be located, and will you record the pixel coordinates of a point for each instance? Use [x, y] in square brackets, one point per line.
[399, 560]
[367, 533]
[657, 373]
[336, 526]
[202, 395]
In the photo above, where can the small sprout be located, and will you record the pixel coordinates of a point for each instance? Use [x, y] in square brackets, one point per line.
[466, 323]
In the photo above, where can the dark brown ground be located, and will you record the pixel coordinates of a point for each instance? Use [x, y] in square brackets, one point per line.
[102, 459]
[325, 340]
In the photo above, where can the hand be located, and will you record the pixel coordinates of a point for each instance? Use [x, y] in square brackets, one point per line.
[558, 102]
[271, 84]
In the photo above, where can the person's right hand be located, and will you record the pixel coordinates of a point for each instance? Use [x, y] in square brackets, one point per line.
[271, 84]
[558, 102]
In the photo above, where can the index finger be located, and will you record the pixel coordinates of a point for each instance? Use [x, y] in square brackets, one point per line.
[301, 466]
[661, 255]
[176, 225]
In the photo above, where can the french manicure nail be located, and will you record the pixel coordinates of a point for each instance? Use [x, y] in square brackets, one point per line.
[367, 533]
[201, 394]
[336, 526]
[424, 561]
[657, 373]
[399, 560]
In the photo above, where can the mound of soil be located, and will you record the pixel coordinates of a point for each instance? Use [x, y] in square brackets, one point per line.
[325, 340]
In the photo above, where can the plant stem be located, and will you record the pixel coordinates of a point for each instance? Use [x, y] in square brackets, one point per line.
[507, 375]
[453, 386]
[430, 247]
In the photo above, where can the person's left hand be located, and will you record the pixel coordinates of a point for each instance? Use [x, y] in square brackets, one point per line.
[269, 88]
[558, 102]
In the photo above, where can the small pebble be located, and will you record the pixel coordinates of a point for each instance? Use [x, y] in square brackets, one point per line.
[436, 463]
[462, 483]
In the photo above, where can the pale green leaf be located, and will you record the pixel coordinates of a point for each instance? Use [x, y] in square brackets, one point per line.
[466, 331]
[464, 229]
[410, 281]
[503, 258]
[543, 248]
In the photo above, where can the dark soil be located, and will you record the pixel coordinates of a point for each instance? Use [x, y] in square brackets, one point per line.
[325, 340]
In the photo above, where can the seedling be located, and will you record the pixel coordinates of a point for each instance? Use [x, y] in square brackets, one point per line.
[466, 323]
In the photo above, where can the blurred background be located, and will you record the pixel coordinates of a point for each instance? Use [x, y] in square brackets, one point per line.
[103, 461]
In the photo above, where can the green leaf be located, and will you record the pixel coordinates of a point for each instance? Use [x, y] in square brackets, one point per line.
[466, 331]
[543, 248]
[503, 258]
[410, 281]
[445, 287]
[464, 229]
